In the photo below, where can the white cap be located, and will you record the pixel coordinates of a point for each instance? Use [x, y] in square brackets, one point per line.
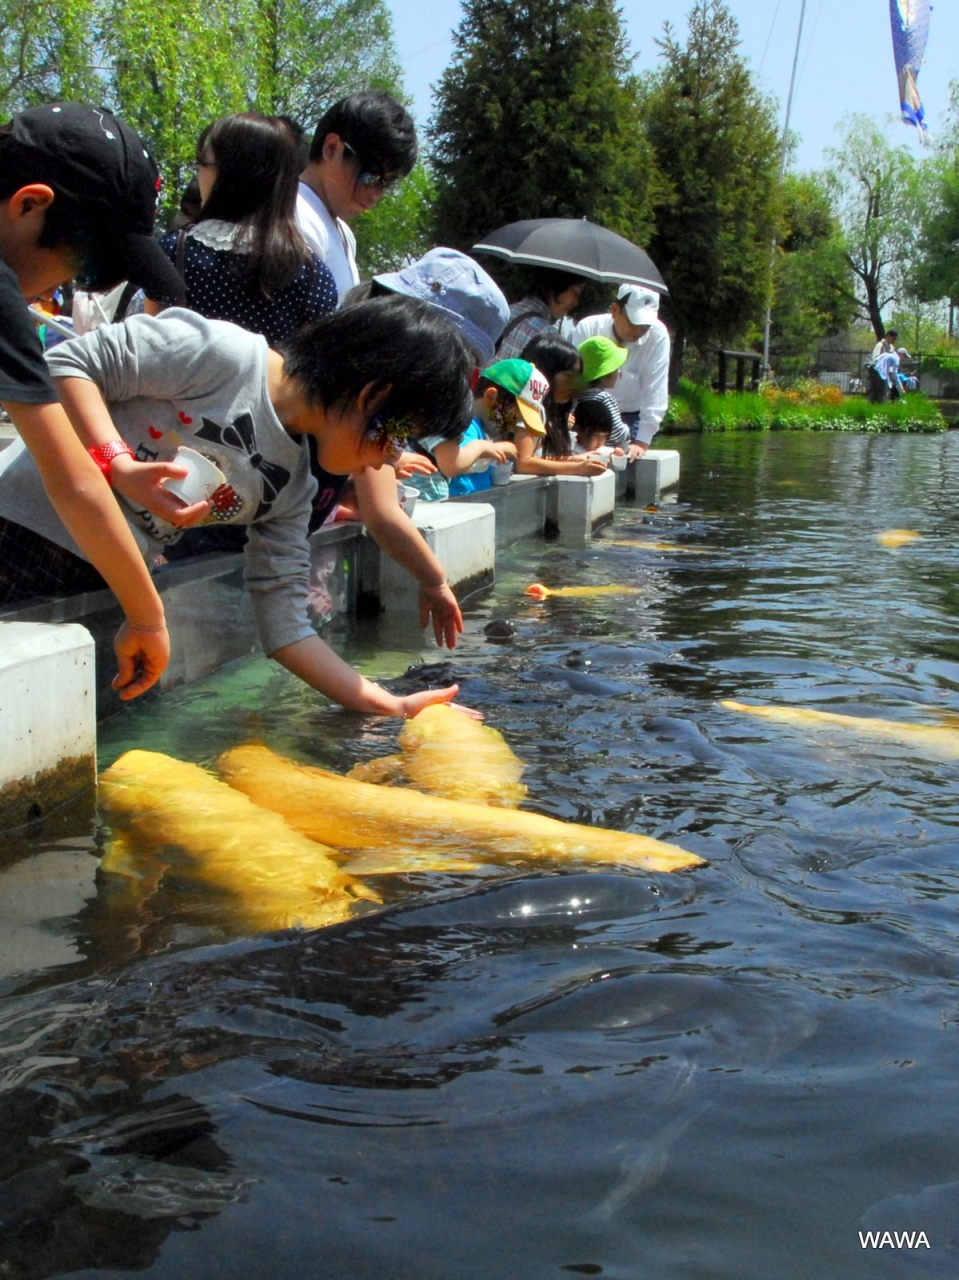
[641, 305]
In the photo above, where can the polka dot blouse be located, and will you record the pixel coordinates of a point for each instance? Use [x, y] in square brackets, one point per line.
[217, 285]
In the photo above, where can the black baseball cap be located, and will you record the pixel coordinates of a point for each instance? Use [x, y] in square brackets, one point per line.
[100, 168]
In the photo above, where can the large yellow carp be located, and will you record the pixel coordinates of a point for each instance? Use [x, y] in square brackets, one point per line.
[941, 743]
[274, 876]
[359, 815]
[445, 753]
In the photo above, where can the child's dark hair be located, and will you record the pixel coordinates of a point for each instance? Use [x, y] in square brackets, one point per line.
[377, 127]
[397, 343]
[255, 187]
[551, 354]
[593, 415]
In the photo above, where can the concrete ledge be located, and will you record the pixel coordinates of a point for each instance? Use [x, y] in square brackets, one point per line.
[520, 507]
[576, 505]
[656, 471]
[47, 718]
[462, 537]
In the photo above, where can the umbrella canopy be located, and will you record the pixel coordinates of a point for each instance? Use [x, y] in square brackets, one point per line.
[575, 245]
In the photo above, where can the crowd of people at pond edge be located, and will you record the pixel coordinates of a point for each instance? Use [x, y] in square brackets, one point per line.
[245, 334]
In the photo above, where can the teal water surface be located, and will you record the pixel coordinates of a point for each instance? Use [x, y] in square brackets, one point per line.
[737, 1072]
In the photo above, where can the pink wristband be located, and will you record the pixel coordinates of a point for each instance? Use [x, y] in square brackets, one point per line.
[103, 454]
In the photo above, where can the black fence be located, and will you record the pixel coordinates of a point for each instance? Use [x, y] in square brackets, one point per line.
[938, 375]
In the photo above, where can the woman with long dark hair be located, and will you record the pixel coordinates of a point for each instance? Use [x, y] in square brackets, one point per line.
[551, 455]
[244, 258]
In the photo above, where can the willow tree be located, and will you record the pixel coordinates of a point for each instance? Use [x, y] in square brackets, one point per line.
[47, 51]
[537, 116]
[311, 53]
[715, 141]
[880, 197]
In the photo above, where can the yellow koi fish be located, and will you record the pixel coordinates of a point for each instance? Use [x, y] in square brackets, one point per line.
[539, 592]
[445, 753]
[942, 743]
[358, 815]
[896, 537]
[275, 876]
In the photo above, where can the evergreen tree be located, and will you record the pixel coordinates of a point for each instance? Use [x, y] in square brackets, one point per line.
[536, 117]
[715, 141]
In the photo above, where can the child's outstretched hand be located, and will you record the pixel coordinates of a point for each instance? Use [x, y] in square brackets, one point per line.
[500, 450]
[413, 703]
[413, 464]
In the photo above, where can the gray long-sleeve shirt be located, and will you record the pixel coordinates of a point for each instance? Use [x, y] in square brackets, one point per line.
[180, 379]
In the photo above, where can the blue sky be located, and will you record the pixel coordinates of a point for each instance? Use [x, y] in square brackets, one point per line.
[845, 60]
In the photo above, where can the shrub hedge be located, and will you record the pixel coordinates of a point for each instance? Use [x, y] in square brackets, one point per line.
[807, 406]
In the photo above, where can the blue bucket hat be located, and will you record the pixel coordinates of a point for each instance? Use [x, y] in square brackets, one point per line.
[469, 297]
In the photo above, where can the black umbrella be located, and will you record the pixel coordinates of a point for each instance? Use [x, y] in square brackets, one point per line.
[573, 244]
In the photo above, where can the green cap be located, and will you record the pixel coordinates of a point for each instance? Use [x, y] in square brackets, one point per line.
[601, 356]
[528, 385]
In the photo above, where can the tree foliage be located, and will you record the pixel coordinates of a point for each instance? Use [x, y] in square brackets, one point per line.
[813, 286]
[879, 197]
[170, 68]
[399, 228]
[537, 117]
[715, 142]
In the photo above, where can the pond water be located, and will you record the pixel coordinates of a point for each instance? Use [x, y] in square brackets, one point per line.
[733, 1072]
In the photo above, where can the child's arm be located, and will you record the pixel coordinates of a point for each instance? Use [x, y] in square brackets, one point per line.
[316, 663]
[395, 532]
[455, 459]
[140, 482]
[528, 462]
[90, 513]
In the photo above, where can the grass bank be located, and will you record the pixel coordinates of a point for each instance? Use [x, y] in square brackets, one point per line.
[809, 406]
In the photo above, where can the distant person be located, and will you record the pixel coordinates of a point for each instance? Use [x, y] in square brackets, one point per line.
[878, 383]
[642, 390]
[886, 376]
[362, 146]
[243, 259]
[552, 296]
[78, 196]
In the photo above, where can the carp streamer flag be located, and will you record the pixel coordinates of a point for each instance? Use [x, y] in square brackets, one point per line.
[910, 27]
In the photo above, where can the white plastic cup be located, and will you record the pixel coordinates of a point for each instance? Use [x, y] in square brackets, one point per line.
[618, 461]
[407, 495]
[500, 472]
[202, 480]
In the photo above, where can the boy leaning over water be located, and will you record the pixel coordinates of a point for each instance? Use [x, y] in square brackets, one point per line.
[355, 381]
[78, 196]
[508, 394]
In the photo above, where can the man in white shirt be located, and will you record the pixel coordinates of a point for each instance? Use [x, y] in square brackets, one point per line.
[642, 390]
[361, 146]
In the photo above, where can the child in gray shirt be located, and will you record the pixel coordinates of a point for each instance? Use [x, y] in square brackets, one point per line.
[355, 380]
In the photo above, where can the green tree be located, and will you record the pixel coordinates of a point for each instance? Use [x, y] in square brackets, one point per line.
[537, 117]
[813, 284]
[878, 193]
[311, 53]
[169, 69]
[46, 52]
[715, 141]
[399, 228]
[174, 67]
